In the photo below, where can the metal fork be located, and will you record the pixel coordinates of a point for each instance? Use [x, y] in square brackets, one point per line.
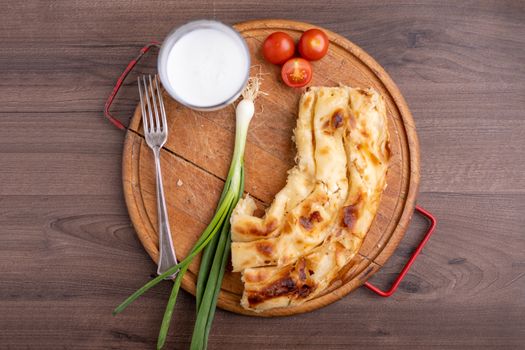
[156, 133]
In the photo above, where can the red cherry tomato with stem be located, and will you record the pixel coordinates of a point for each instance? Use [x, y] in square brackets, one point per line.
[278, 48]
[313, 44]
[296, 72]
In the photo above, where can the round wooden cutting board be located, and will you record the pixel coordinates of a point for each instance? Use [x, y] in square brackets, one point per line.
[197, 155]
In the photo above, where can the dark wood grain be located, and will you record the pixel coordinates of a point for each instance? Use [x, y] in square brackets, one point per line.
[68, 254]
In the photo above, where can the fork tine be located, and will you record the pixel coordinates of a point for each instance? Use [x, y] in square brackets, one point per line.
[161, 105]
[154, 99]
[143, 107]
[150, 113]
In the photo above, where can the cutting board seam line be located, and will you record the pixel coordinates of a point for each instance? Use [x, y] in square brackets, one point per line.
[183, 158]
[197, 166]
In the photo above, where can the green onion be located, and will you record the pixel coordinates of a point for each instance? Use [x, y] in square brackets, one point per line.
[211, 271]
[207, 254]
[215, 240]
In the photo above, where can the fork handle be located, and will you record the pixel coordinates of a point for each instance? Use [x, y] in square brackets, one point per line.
[167, 256]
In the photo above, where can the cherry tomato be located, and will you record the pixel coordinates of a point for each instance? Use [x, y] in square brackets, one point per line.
[296, 72]
[313, 44]
[278, 48]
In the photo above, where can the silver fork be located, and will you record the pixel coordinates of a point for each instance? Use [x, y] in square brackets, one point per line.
[156, 133]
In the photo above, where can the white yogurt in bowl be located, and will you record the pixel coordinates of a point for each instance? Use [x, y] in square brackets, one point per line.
[204, 65]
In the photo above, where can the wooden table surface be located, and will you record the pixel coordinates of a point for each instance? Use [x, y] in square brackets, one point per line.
[68, 253]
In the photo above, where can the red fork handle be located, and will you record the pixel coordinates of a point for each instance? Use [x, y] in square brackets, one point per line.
[119, 83]
[432, 220]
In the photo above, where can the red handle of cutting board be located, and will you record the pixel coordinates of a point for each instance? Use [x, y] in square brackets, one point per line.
[369, 285]
[117, 123]
[432, 220]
